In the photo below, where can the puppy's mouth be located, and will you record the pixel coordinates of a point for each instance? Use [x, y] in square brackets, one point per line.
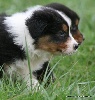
[64, 52]
[59, 50]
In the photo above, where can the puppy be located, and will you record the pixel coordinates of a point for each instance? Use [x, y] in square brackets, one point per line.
[42, 32]
[77, 35]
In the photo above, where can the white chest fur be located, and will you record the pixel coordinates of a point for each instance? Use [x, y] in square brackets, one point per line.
[20, 69]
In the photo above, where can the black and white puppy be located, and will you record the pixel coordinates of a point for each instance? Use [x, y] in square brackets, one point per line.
[73, 29]
[47, 32]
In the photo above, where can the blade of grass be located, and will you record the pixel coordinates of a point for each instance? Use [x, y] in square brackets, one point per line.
[46, 72]
[68, 71]
[28, 59]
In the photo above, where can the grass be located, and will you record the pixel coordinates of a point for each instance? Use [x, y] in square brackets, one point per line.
[75, 74]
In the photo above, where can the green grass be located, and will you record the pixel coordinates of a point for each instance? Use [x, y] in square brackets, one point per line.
[75, 74]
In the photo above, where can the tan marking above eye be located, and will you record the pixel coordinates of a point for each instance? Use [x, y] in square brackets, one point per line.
[77, 22]
[65, 28]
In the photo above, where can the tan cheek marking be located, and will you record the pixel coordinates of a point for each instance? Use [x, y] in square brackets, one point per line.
[62, 45]
[65, 45]
[65, 28]
[44, 44]
[78, 37]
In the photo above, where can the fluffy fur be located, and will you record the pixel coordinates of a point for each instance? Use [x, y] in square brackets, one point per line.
[46, 31]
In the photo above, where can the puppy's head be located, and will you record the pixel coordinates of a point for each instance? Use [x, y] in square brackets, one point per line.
[74, 18]
[51, 31]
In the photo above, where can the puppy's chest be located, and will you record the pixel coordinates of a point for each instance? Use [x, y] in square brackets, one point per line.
[20, 66]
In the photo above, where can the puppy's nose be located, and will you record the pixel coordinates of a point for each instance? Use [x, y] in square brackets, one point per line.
[75, 46]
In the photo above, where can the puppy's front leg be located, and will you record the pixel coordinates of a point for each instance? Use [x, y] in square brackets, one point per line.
[27, 79]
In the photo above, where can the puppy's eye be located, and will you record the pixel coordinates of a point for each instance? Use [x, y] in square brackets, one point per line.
[61, 33]
[74, 28]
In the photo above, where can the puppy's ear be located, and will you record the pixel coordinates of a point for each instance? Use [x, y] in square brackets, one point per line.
[39, 23]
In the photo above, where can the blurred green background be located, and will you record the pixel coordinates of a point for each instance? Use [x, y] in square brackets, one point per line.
[81, 65]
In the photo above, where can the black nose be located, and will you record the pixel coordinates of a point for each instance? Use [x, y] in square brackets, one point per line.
[75, 46]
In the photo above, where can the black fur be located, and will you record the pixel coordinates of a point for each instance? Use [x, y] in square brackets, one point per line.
[45, 22]
[71, 14]
[9, 52]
